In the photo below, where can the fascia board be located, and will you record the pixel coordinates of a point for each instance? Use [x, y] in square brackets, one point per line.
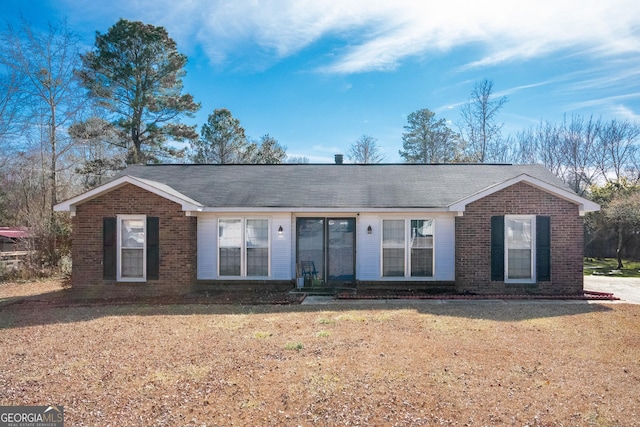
[584, 205]
[187, 203]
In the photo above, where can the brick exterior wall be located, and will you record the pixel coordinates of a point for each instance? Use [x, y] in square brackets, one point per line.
[177, 244]
[473, 242]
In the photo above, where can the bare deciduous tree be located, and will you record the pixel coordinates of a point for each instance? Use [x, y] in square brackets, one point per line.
[618, 150]
[51, 98]
[478, 127]
[578, 145]
[365, 150]
[44, 64]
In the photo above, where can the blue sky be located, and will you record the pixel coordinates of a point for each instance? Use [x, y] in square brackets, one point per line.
[317, 75]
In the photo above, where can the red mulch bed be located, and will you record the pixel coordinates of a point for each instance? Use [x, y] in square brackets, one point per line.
[587, 295]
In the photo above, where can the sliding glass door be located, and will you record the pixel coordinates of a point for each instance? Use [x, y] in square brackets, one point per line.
[326, 249]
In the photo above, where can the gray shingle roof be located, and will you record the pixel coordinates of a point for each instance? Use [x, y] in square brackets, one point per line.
[335, 186]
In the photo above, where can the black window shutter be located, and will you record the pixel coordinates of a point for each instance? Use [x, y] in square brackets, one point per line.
[109, 247]
[543, 248]
[497, 248]
[153, 248]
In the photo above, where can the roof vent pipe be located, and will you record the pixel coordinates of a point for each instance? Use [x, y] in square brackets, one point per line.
[339, 158]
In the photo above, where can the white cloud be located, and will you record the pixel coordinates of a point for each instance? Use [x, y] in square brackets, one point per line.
[625, 113]
[372, 35]
[610, 101]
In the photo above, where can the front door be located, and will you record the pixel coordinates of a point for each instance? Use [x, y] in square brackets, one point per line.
[326, 249]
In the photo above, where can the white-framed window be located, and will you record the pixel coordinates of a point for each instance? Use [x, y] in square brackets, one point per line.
[243, 247]
[132, 248]
[407, 247]
[393, 248]
[520, 244]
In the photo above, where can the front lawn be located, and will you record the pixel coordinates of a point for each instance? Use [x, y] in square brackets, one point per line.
[457, 363]
[609, 267]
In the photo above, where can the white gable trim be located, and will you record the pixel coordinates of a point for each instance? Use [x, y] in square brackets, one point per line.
[154, 187]
[584, 205]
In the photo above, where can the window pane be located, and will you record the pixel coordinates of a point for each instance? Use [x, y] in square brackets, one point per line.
[257, 261]
[421, 247]
[230, 246]
[310, 232]
[132, 233]
[257, 236]
[519, 233]
[519, 264]
[229, 261]
[230, 233]
[132, 263]
[519, 248]
[393, 233]
[257, 233]
[421, 262]
[393, 262]
[393, 248]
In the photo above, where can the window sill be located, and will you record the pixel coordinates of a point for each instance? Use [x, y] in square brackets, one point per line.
[131, 280]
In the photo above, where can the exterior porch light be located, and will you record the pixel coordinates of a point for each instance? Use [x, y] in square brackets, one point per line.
[369, 230]
[280, 231]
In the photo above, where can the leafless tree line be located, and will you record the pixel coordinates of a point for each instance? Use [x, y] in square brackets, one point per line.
[583, 151]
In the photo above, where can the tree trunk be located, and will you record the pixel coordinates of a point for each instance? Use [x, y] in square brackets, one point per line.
[619, 247]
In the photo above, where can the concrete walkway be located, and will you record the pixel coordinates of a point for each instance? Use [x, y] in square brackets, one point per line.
[394, 302]
[625, 288]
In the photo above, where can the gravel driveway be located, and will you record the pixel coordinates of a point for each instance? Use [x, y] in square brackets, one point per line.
[625, 288]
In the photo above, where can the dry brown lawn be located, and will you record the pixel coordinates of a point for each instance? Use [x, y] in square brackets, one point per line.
[459, 363]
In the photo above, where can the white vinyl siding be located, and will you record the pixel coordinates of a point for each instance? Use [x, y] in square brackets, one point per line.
[207, 248]
[445, 254]
[369, 247]
[275, 258]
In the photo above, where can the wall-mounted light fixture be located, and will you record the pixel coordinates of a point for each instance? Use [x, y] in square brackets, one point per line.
[369, 230]
[280, 231]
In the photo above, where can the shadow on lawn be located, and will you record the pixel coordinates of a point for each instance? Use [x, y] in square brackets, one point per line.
[56, 307]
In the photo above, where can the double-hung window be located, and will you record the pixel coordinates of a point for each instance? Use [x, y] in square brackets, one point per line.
[521, 248]
[519, 245]
[393, 248]
[132, 232]
[131, 248]
[243, 247]
[407, 248]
